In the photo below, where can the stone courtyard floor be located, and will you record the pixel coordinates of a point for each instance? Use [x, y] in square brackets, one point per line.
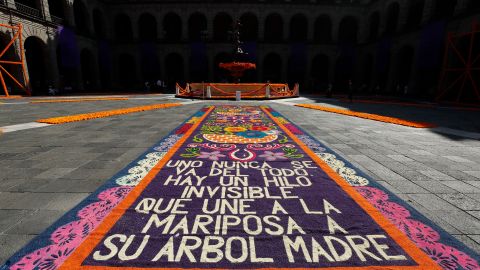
[46, 171]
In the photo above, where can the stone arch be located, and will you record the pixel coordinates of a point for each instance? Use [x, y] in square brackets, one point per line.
[348, 30]
[87, 64]
[273, 28]
[123, 28]
[319, 72]
[272, 68]
[197, 26]
[99, 24]
[175, 70]
[374, 26]
[172, 27]
[298, 28]
[82, 17]
[323, 29]
[415, 13]
[36, 58]
[147, 28]
[127, 71]
[393, 12]
[222, 24]
[249, 29]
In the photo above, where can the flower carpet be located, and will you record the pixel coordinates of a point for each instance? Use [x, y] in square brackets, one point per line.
[76, 100]
[102, 114]
[375, 117]
[242, 187]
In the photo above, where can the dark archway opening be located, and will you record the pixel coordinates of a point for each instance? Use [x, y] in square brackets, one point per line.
[127, 71]
[197, 27]
[220, 74]
[320, 73]
[405, 66]
[367, 73]
[393, 12]
[175, 70]
[123, 28]
[56, 8]
[88, 69]
[274, 28]
[147, 25]
[343, 73]
[444, 9]
[298, 28]
[249, 29]
[104, 65]
[150, 66]
[415, 14]
[374, 22]
[81, 18]
[35, 55]
[348, 31]
[222, 25]
[272, 68]
[99, 24]
[473, 5]
[323, 30]
[198, 68]
[172, 27]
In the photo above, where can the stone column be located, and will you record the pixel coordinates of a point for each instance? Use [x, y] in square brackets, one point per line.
[184, 19]
[186, 63]
[286, 28]
[284, 56]
[261, 56]
[363, 29]
[331, 68]
[311, 28]
[135, 30]
[44, 9]
[211, 70]
[261, 28]
[461, 6]
[96, 83]
[392, 80]
[53, 61]
[428, 10]
[69, 14]
[160, 33]
[403, 15]
[335, 28]
[11, 4]
[210, 18]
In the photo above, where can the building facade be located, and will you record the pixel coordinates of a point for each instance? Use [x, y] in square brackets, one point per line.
[387, 46]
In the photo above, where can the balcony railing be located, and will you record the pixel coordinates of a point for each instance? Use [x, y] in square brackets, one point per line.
[56, 20]
[28, 10]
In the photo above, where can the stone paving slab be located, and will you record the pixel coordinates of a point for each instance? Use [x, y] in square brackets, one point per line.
[46, 171]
